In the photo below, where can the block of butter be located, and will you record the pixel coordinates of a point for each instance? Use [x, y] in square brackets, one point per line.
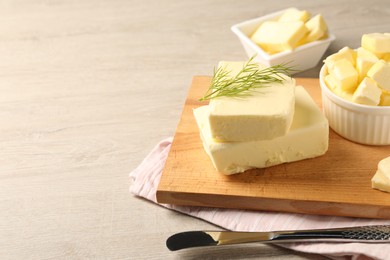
[276, 37]
[307, 138]
[265, 114]
[381, 179]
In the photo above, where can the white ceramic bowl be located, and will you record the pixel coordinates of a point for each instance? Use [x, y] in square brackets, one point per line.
[302, 58]
[359, 123]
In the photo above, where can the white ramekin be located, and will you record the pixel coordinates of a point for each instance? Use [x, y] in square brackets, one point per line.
[302, 58]
[359, 123]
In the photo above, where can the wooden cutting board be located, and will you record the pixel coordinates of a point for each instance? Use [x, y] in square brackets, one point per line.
[337, 183]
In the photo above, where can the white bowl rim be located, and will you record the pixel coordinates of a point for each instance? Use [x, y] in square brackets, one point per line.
[237, 30]
[366, 109]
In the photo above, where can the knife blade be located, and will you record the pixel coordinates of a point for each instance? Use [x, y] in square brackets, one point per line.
[361, 234]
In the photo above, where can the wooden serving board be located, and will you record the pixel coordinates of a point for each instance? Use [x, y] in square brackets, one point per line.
[337, 183]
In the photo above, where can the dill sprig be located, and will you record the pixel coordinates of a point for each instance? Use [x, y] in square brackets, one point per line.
[249, 78]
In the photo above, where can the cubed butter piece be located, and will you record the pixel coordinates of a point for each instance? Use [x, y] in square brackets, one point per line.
[331, 82]
[381, 179]
[307, 138]
[380, 72]
[344, 53]
[364, 61]
[317, 29]
[274, 37]
[385, 98]
[378, 43]
[386, 57]
[266, 113]
[345, 75]
[367, 93]
[294, 15]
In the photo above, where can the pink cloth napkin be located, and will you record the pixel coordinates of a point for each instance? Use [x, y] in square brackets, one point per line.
[147, 176]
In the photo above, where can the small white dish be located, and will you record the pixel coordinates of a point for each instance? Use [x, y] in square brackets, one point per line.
[359, 123]
[302, 58]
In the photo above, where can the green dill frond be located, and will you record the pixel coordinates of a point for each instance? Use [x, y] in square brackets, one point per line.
[249, 78]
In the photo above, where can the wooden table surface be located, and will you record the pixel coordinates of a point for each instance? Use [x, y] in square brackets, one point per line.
[87, 88]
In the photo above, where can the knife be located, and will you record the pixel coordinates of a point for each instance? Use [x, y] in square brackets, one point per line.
[362, 234]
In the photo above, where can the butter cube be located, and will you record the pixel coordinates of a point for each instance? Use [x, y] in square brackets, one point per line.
[307, 138]
[367, 93]
[276, 37]
[265, 114]
[317, 28]
[386, 57]
[381, 179]
[378, 43]
[345, 75]
[364, 61]
[294, 15]
[331, 82]
[385, 99]
[345, 53]
[380, 72]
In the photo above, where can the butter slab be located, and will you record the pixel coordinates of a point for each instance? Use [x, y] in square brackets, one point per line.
[264, 114]
[307, 138]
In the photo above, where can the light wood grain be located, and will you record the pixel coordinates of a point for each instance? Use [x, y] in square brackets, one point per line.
[88, 88]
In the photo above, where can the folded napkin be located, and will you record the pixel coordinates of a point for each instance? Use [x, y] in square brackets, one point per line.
[147, 176]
